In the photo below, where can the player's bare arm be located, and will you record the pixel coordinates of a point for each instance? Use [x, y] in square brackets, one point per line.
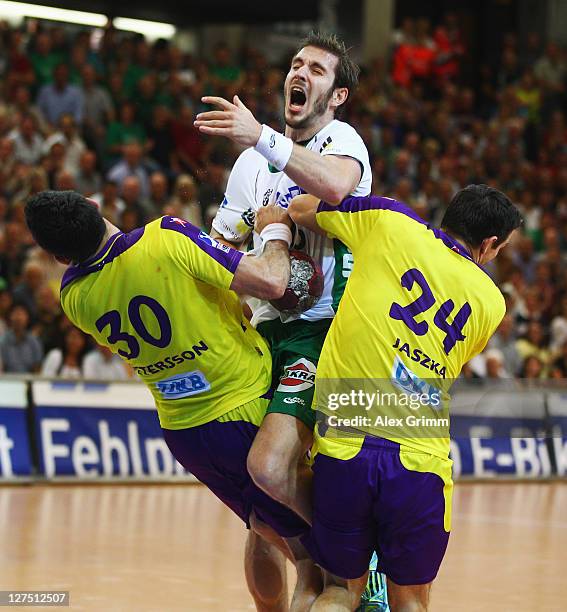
[303, 211]
[266, 276]
[330, 177]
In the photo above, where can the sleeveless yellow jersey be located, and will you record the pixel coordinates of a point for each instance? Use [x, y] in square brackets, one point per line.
[415, 309]
[159, 297]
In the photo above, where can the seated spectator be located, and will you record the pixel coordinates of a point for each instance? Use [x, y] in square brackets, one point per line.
[225, 74]
[126, 129]
[559, 327]
[60, 98]
[504, 340]
[190, 146]
[494, 360]
[73, 143]
[131, 164]
[550, 69]
[532, 368]
[111, 204]
[211, 190]
[88, 179]
[54, 162]
[133, 201]
[102, 364]
[147, 97]
[131, 219]
[450, 47]
[159, 193]
[184, 202]
[28, 142]
[560, 363]
[64, 181]
[20, 351]
[22, 106]
[162, 145]
[67, 361]
[99, 110]
[24, 292]
[9, 167]
[44, 59]
[52, 270]
[533, 344]
[48, 318]
[6, 303]
[529, 97]
[19, 71]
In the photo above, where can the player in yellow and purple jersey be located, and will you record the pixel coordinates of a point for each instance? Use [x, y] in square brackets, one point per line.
[417, 306]
[163, 298]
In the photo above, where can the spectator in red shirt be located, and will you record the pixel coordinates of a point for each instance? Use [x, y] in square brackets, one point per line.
[450, 48]
[189, 144]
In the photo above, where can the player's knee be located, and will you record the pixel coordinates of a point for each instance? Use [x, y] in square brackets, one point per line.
[408, 599]
[270, 474]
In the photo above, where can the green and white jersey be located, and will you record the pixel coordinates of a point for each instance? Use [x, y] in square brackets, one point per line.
[254, 183]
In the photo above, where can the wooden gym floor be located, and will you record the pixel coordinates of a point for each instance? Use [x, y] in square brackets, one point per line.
[175, 547]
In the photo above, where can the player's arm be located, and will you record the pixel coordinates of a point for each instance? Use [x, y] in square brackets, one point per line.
[266, 276]
[235, 244]
[234, 220]
[353, 221]
[303, 211]
[329, 177]
[200, 256]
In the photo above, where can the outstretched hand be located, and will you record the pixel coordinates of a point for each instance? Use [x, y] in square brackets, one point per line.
[233, 120]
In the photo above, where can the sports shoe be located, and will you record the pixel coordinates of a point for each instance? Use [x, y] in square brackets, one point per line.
[375, 596]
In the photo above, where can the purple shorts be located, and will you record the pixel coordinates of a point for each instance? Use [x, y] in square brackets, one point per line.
[215, 453]
[372, 502]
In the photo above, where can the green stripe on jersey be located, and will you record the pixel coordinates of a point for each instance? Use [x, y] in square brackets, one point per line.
[343, 268]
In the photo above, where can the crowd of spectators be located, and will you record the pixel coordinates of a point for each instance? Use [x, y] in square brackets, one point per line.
[115, 122]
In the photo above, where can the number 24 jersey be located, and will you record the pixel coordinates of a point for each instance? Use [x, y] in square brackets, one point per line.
[415, 301]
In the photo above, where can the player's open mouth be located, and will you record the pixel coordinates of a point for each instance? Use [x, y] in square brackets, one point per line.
[297, 99]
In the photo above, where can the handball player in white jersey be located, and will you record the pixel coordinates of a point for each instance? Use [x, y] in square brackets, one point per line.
[320, 155]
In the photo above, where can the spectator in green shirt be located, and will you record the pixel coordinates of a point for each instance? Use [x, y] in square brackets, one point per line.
[44, 60]
[126, 129]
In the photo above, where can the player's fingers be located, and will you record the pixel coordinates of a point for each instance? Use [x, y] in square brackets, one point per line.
[213, 115]
[217, 101]
[213, 131]
[215, 124]
[238, 102]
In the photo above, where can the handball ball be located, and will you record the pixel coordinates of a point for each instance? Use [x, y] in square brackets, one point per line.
[305, 285]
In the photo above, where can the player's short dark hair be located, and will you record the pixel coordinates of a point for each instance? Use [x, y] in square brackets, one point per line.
[478, 212]
[347, 71]
[65, 224]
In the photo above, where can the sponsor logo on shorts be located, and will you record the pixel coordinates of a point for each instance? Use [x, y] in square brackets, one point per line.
[298, 376]
[182, 385]
[294, 400]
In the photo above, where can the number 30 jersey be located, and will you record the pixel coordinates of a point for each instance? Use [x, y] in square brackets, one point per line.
[159, 297]
[416, 307]
[253, 183]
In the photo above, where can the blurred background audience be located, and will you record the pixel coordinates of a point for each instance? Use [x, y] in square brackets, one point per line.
[115, 123]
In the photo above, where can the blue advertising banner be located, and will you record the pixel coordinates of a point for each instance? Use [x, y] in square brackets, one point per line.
[15, 458]
[499, 430]
[95, 430]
